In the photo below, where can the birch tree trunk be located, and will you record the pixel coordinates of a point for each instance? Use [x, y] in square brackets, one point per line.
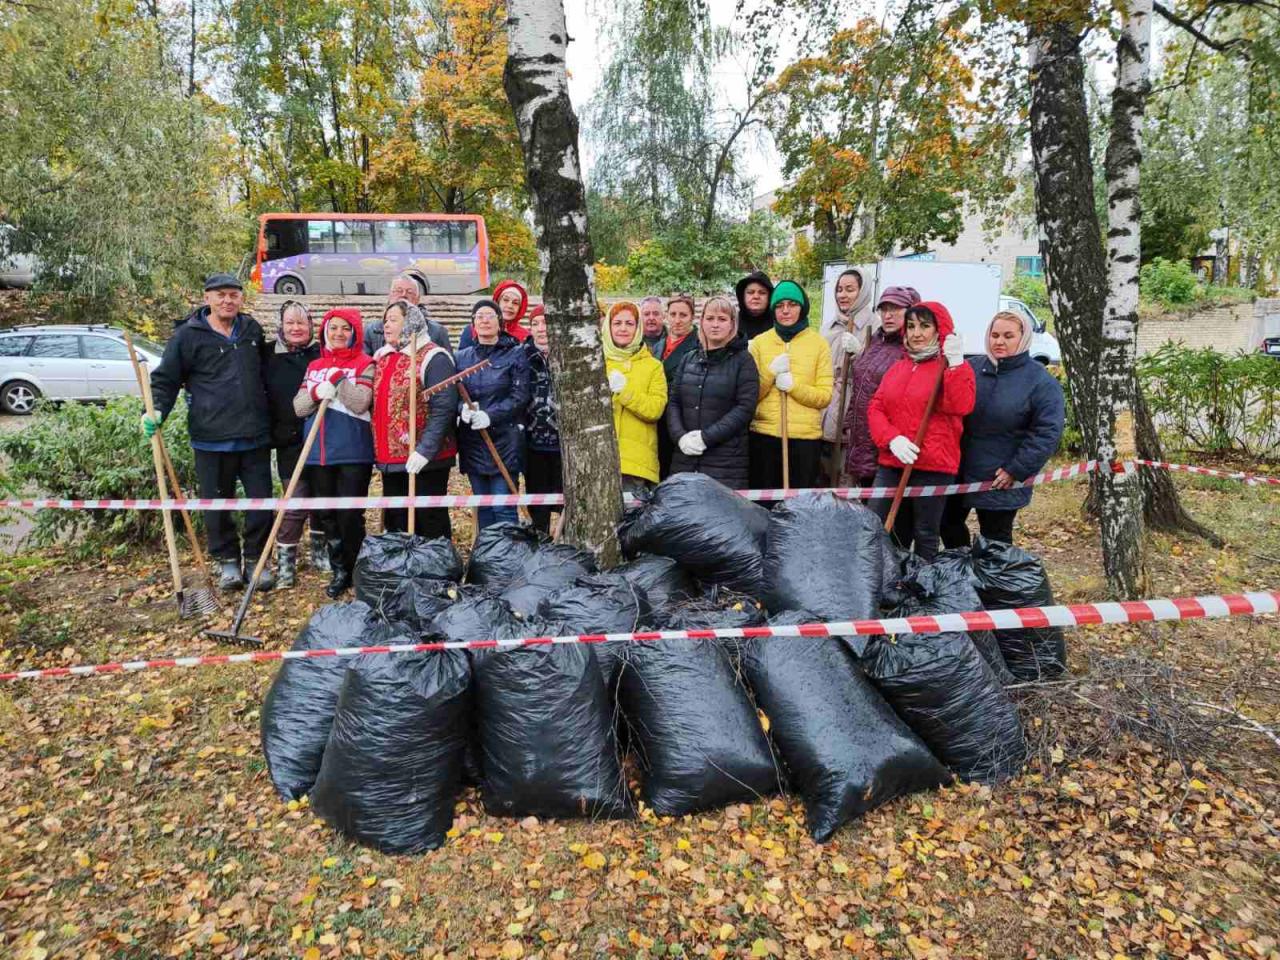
[1076, 277]
[537, 87]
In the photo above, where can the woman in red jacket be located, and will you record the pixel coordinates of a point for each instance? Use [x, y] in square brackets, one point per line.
[895, 413]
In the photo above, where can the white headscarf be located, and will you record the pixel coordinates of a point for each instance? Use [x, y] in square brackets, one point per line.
[1028, 332]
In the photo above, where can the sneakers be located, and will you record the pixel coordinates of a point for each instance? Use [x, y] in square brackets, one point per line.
[286, 565]
[231, 577]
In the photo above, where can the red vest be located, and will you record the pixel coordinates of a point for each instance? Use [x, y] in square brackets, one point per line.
[391, 407]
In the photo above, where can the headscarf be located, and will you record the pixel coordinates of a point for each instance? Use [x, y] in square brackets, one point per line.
[283, 345]
[524, 302]
[1028, 333]
[858, 317]
[789, 290]
[726, 302]
[614, 352]
[415, 321]
[351, 359]
[537, 311]
[945, 327]
[756, 276]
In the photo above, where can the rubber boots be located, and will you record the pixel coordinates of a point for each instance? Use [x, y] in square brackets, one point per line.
[319, 552]
[340, 579]
[286, 565]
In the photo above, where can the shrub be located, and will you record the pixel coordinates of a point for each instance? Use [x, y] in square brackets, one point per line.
[80, 451]
[612, 279]
[1168, 283]
[1030, 290]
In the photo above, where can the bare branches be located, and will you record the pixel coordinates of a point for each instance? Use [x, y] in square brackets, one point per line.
[1189, 25]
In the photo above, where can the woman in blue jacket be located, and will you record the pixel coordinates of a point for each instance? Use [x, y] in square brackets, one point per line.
[1014, 429]
[499, 402]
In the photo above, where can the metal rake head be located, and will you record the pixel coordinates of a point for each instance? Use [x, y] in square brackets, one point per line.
[198, 601]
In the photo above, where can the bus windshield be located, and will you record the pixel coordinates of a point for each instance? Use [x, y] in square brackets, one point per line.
[360, 254]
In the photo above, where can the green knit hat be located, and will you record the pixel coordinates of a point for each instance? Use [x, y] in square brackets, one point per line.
[788, 290]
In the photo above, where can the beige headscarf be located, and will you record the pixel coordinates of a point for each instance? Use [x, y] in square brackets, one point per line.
[1028, 332]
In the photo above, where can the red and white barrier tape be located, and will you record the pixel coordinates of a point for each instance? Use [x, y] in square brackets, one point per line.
[1242, 476]
[511, 500]
[1074, 615]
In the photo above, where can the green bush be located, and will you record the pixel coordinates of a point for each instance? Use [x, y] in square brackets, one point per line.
[1030, 290]
[81, 451]
[1168, 283]
[1216, 402]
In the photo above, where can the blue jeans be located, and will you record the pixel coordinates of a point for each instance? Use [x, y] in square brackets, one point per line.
[483, 484]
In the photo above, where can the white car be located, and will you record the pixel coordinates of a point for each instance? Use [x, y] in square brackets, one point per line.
[67, 362]
[1044, 345]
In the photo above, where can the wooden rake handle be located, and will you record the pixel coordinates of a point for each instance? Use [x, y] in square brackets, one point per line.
[493, 450]
[413, 426]
[919, 441]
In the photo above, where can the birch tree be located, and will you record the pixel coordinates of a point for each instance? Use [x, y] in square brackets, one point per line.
[538, 87]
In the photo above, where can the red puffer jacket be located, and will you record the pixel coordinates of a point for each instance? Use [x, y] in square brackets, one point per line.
[898, 405]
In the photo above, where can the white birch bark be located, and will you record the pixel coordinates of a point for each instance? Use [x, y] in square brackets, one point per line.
[537, 87]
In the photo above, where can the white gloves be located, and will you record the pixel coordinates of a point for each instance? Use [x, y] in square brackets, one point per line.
[692, 444]
[325, 390]
[617, 381]
[479, 420]
[780, 364]
[850, 343]
[785, 381]
[904, 450]
[953, 350]
[415, 463]
[383, 351]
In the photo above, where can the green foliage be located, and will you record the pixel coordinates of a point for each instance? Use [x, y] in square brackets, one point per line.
[1030, 290]
[1168, 283]
[1215, 402]
[82, 451]
[682, 259]
[115, 179]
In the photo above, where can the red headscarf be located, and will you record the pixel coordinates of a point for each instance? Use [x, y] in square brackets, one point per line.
[351, 359]
[513, 326]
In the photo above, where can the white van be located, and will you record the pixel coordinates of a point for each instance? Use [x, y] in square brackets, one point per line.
[970, 291]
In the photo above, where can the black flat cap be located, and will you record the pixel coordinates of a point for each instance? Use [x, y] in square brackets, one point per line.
[222, 281]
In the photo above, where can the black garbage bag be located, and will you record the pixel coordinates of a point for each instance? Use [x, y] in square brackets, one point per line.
[663, 581]
[718, 608]
[417, 601]
[388, 558]
[940, 685]
[704, 526]
[500, 552]
[823, 554]
[845, 749]
[298, 709]
[476, 615]
[896, 565]
[1009, 576]
[393, 764]
[554, 566]
[694, 728]
[547, 735]
[600, 603]
[947, 586]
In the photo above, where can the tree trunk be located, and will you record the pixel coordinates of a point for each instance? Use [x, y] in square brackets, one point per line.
[537, 87]
[1161, 506]
[1076, 277]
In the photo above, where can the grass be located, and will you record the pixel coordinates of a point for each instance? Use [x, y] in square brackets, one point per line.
[136, 818]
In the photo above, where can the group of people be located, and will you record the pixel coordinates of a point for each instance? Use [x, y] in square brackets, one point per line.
[720, 396]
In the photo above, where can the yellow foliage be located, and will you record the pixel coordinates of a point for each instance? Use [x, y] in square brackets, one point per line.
[612, 279]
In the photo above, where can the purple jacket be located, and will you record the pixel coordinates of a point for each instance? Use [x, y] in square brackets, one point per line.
[881, 353]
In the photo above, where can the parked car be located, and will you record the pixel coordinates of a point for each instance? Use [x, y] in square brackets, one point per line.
[16, 269]
[1044, 345]
[1271, 347]
[67, 362]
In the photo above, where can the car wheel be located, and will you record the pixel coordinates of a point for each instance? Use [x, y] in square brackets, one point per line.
[289, 287]
[19, 398]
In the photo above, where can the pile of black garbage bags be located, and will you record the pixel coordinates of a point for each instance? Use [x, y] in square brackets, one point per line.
[384, 743]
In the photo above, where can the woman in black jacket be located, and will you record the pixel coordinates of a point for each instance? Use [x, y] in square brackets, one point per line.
[712, 397]
[295, 347]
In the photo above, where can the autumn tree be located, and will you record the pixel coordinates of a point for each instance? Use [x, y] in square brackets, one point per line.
[889, 131]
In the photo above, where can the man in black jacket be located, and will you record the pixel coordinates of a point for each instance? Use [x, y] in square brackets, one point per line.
[405, 287]
[218, 355]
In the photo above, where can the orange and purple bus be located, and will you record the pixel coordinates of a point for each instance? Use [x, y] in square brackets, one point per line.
[361, 253]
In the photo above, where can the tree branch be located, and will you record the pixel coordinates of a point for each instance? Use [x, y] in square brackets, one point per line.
[1189, 25]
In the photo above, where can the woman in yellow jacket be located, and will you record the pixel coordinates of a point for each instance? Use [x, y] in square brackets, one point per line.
[795, 369]
[639, 395]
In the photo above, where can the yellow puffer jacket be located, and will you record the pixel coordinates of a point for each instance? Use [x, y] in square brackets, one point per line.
[812, 372]
[636, 411]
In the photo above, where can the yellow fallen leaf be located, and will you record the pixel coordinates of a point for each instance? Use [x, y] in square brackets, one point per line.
[1167, 915]
[683, 844]
[512, 950]
[494, 837]
[329, 863]
[312, 953]
[726, 931]
[593, 860]
[515, 929]
[368, 881]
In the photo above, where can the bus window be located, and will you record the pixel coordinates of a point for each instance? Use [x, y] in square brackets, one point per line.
[353, 236]
[392, 236]
[429, 237]
[285, 238]
[462, 236]
[320, 236]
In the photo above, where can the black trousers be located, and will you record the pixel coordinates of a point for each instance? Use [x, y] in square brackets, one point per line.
[543, 473]
[216, 476]
[429, 522]
[342, 480]
[992, 524]
[919, 522]
[765, 468]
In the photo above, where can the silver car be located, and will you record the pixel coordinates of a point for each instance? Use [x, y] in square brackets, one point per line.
[67, 362]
